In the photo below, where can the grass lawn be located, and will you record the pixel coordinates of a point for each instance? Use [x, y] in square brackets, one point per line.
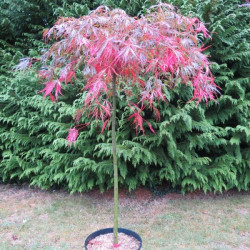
[34, 219]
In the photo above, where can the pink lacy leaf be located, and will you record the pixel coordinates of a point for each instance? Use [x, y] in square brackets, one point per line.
[104, 125]
[52, 97]
[49, 86]
[150, 127]
[72, 136]
[58, 89]
[138, 121]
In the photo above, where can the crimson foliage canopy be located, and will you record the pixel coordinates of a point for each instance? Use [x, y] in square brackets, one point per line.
[151, 53]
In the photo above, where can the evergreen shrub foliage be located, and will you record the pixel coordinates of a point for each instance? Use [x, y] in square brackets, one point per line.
[195, 147]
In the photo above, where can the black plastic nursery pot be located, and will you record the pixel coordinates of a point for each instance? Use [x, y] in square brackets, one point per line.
[110, 230]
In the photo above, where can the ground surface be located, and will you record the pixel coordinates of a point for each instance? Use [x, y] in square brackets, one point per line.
[34, 219]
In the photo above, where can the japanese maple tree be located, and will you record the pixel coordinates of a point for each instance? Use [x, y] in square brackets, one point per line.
[116, 52]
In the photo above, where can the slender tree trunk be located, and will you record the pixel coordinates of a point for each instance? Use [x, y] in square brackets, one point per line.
[115, 163]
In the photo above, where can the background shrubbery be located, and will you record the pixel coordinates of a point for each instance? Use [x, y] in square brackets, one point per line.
[195, 147]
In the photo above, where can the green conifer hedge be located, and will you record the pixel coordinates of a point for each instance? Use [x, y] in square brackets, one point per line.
[195, 147]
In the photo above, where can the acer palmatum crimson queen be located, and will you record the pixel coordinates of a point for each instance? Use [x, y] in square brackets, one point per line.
[118, 52]
[151, 52]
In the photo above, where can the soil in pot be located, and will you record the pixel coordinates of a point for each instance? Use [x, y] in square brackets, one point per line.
[105, 242]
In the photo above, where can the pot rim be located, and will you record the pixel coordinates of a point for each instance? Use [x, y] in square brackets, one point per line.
[110, 230]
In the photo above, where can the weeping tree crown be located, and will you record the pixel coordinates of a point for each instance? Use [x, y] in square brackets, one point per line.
[150, 53]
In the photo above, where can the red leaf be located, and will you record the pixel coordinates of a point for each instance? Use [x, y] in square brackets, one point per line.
[52, 97]
[138, 121]
[150, 127]
[48, 88]
[72, 136]
[104, 125]
[58, 89]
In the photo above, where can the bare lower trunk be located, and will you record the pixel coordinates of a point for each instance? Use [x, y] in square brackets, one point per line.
[115, 163]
